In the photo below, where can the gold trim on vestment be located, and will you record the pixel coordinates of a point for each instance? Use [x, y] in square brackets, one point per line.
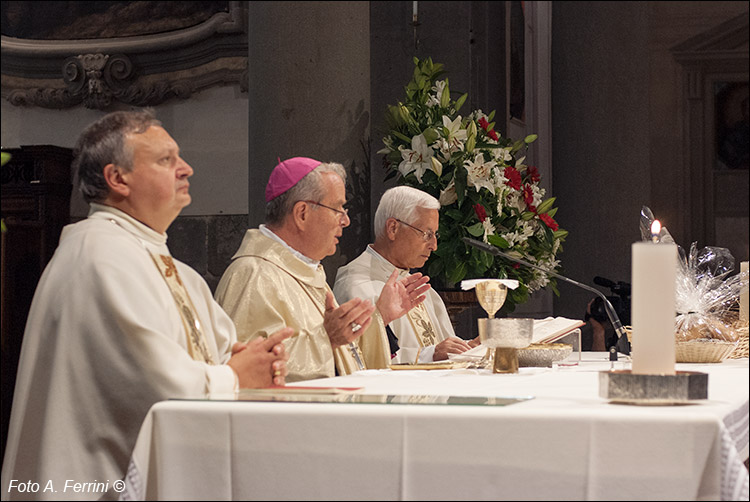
[195, 337]
[420, 321]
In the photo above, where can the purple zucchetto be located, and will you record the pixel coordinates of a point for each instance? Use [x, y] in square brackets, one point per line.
[287, 173]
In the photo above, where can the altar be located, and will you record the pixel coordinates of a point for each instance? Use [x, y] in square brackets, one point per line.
[458, 434]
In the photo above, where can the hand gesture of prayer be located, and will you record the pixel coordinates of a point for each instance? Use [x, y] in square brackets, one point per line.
[346, 322]
[261, 362]
[400, 296]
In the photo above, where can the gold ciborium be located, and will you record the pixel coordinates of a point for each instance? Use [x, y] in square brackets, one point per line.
[502, 337]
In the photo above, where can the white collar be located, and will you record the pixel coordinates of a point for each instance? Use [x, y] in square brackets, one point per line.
[383, 261]
[127, 222]
[271, 235]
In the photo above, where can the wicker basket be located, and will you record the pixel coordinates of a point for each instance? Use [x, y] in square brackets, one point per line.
[741, 328]
[703, 351]
[709, 351]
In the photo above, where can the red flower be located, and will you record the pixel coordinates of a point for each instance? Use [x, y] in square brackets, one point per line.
[483, 123]
[547, 219]
[528, 198]
[492, 134]
[481, 213]
[513, 177]
[534, 173]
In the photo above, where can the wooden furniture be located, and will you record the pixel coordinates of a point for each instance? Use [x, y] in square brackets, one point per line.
[36, 187]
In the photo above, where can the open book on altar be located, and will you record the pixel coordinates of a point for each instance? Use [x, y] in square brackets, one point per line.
[546, 330]
[551, 329]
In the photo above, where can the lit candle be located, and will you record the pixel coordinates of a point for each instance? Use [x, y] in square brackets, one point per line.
[743, 296]
[654, 271]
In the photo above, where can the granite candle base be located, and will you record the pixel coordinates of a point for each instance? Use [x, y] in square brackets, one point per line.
[634, 388]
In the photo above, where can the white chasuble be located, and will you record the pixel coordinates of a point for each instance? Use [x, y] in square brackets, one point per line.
[104, 341]
[419, 330]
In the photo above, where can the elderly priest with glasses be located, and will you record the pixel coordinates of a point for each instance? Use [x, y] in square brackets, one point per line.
[406, 224]
[276, 278]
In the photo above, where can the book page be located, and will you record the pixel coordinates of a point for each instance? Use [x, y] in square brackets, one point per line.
[553, 328]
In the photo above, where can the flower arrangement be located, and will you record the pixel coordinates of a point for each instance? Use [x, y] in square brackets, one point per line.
[485, 189]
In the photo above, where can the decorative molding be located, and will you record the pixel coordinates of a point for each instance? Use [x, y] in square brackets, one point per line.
[143, 70]
[718, 55]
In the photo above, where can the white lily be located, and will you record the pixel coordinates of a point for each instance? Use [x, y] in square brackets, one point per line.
[416, 160]
[448, 195]
[456, 136]
[478, 173]
[515, 200]
[388, 142]
[502, 154]
[489, 229]
[438, 88]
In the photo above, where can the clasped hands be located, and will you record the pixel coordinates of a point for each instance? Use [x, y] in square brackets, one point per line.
[345, 323]
[261, 362]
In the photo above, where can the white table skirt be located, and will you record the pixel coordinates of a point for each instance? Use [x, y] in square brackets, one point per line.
[565, 444]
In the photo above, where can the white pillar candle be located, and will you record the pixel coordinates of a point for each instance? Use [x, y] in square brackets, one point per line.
[743, 296]
[654, 271]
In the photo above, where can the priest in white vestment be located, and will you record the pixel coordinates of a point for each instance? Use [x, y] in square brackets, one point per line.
[276, 279]
[117, 324]
[406, 225]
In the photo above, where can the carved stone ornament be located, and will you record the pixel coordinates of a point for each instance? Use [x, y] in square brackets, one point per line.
[143, 70]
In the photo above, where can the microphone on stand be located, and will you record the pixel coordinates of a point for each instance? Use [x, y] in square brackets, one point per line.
[623, 345]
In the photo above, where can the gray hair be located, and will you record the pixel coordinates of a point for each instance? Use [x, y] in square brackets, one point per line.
[102, 143]
[310, 187]
[401, 203]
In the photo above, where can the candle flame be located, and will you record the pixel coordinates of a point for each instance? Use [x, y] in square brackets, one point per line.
[655, 229]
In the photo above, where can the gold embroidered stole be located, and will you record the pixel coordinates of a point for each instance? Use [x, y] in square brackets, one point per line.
[196, 339]
[344, 356]
[423, 328]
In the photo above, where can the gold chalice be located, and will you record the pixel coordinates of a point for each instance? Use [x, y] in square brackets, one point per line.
[502, 337]
[491, 296]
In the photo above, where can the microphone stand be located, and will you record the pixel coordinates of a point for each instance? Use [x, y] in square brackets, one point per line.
[613, 318]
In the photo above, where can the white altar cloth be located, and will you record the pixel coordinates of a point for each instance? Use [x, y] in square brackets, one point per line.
[566, 443]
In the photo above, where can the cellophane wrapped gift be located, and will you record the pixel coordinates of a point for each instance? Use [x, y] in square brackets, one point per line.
[706, 295]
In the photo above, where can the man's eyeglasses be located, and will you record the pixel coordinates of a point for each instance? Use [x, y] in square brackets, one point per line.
[426, 236]
[343, 212]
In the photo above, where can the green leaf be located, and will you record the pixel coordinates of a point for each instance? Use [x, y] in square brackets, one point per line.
[477, 230]
[545, 205]
[487, 259]
[527, 215]
[498, 241]
[430, 135]
[445, 98]
[552, 212]
[460, 101]
[401, 136]
[560, 234]
[491, 116]
[455, 214]
[460, 183]
[456, 271]
[530, 138]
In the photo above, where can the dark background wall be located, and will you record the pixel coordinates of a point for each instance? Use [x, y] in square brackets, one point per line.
[321, 73]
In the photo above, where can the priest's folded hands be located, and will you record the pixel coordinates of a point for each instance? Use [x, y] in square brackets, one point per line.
[252, 360]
